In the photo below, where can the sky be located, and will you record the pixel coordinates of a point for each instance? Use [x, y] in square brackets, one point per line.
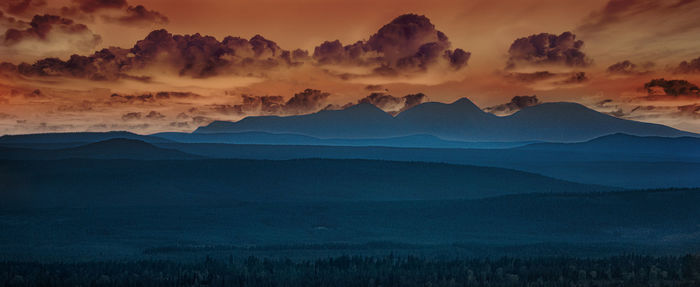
[173, 65]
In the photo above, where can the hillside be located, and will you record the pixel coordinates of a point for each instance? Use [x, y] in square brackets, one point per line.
[190, 182]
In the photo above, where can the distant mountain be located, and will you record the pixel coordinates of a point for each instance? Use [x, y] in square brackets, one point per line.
[297, 139]
[461, 121]
[623, 143]
[68, 139]
[109, 149]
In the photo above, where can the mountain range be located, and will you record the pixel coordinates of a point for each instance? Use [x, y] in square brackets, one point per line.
[461, 120]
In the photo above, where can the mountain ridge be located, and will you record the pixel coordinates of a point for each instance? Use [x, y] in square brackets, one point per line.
[460, 120]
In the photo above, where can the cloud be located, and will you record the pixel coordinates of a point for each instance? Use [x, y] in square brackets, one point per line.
[555, 78]
[408, 43]
[131, 116]
[307, 101]
[375, 88]
[127, 14]
[150, 97]
[193, 56]
[692, 111]
[664, 89]
[628, 68]
[393, 105]
[42, 25]
[139, 15]
[9, 22]
[619, 11]
[547, 49]
[688, 67]
[575, 78]
[153, 115]
[47, 35]
[21, 7]
[515, 104]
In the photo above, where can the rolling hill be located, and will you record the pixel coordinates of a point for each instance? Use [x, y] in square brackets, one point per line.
[115, 148]
[90, 182]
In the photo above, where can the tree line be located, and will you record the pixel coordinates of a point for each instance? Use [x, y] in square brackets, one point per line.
[389, 270]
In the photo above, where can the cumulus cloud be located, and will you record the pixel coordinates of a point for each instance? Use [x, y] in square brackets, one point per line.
[515, 104]
[628, 68]
[48, 35]
[662, 89]
[185, 55]
[393, 105]
[546, 49]
[408, 43]
[43, 25]
[688, 67]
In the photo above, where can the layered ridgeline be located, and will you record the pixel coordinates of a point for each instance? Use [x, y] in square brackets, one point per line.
[461, 120]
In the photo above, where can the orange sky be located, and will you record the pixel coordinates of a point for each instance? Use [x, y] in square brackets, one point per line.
[654, 35]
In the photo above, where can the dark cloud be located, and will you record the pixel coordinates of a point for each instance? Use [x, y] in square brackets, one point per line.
[187, 55]
[21, 7]
[153, 115]
[547, 49]
[658, 88]
[409, 42]
[139, 15]
[131, 116]
[150, 97]
[42, 26]
[628, 68]
[307, 101]
[515, 104]
[128, 15]
[130, 99]
[393, 105]
[688, 67]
